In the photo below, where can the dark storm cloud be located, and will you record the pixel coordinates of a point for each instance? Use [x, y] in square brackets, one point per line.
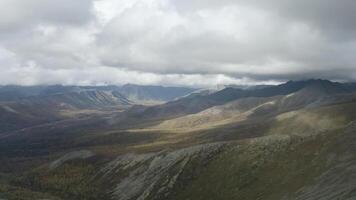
[185, 42]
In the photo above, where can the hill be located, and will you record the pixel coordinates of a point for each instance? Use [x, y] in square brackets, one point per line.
[198, 102]
[313, 93]
[35, 110]
[291, 141]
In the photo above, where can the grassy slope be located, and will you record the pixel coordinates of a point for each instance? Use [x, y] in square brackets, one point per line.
[282, 162]
[280, 167]
[258, 170]
[288, 164]
[218, 115]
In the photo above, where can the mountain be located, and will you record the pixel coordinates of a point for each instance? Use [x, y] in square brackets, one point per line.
[25, 106]
[291, 141]
[34, 110]
[229, 94]
[197, 102]
[136, 93]
[13, 92]
[350, 86]
[80, 100]
[141, 93]
[314, 93]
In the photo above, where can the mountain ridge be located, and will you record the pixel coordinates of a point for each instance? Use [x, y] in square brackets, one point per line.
[139, 93]
[290, 141]
[197, 102]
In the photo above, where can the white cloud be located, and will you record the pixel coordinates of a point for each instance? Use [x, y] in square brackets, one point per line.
[32, 74]
[169, 42]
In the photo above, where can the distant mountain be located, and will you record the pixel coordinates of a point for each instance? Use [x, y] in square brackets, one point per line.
[50, 100]
[350, 86]
[136, 93]
[34, 110]
[24, 106]
[313, 94]
[146, 94]
[197, 102]
[81, 100]
[153, 93]
[13, 92]
[229, 94]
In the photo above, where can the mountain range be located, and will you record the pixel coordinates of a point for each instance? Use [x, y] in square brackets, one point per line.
[24, 106]
[289, 141]
[133, 92]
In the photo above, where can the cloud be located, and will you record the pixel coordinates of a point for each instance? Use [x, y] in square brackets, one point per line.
[176, 42]
[32, 74]
[18, 14]
[239, 39]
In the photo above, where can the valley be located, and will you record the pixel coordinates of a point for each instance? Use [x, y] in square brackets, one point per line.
[289, 141]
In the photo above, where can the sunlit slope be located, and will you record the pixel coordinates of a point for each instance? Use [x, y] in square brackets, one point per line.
[313, 95]
[231, 112]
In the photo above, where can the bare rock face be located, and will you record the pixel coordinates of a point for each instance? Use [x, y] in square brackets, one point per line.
[153, 174]
[82, 154]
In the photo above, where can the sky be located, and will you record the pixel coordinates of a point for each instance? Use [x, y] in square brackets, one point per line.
[197, 43]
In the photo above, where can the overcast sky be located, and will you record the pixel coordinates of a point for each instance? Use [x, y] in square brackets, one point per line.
[176, 42]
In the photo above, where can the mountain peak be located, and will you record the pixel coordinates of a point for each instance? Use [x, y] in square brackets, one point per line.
[323, 87]
[308, 82]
